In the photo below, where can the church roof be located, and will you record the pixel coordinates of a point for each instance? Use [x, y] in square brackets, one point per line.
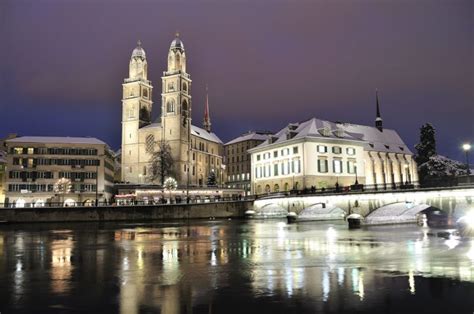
[370, 137]
[250, 136]
[199, 132]
[177, 43]
[57, 140]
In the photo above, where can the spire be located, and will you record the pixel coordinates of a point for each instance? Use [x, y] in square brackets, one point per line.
[378, 119]
[207, 120]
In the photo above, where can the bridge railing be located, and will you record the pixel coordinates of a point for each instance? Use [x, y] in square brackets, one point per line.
[356, 188]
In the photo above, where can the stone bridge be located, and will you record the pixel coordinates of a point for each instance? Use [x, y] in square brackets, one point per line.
[452, 200]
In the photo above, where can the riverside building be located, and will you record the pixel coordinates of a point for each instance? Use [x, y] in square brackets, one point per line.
[321, 154]
[238, 159]
[66, 171]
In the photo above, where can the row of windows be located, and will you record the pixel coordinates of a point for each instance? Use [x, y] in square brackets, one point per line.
[32, 162]
[77, 175]
[337, 166]
[336, 150]
[30, 175]
[53, 151]
[49, 187]
[281, 168]
[172, 88]
[282, 152]
[238, 177]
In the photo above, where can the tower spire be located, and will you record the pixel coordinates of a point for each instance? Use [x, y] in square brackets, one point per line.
[207, 118]
[378, 119]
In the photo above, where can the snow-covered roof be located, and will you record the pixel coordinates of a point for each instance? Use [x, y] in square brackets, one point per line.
[152, 125]
[197, 131]
[250, 136]
[370, 137]
[56, 140]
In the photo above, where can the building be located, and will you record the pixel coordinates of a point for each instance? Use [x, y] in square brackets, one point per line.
[322, 154]
[61, 170]
[238, 159]
[3, 162]
[196, 151]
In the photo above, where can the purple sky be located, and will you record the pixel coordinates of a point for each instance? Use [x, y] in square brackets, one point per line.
[267, 63]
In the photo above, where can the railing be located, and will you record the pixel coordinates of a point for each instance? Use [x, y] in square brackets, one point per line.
[356, 188]
[161, 202]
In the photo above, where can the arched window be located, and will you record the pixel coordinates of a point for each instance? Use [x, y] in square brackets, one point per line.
[185, 105]
[267, 188]
[170, 106]
[276, 188]
[286, 187]
[145, 93]
[185, 86]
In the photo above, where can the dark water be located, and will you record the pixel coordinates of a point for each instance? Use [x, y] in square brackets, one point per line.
[232, 267]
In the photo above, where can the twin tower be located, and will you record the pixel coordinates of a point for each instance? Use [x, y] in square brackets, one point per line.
[140, 134]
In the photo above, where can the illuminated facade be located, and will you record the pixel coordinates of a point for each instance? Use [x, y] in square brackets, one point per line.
[196, 151]
[66, 170]
[323, 154]
[238, 159]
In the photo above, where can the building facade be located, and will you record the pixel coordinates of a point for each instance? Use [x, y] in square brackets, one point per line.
[196, 151]
[321, 154]
[238, 159]
[61, 170]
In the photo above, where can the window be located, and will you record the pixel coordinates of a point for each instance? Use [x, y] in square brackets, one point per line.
[170, 105]
[337, 165]
[295, 150]
[322, 149]
[185, 86]
[275, 154]
[275, 169]
[322, 165]
[150, 143]
[351, 166]
[350, 151]
[145, 93]
[336, 150]
[297, 166]
[258, 157]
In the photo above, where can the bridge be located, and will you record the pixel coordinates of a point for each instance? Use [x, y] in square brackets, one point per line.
[452, 200]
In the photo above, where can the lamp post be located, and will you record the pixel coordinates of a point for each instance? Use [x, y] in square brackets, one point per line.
[467, 147]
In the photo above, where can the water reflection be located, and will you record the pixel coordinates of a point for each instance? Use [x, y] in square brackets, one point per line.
[199, 267]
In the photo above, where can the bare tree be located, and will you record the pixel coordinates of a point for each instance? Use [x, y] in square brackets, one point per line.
[161, 163]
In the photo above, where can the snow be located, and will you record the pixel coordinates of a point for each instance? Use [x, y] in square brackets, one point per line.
[395, 213]
[57, 140]
[197, 131]
[439, 166]
[373, 140]
[250, 136]
[317, 212]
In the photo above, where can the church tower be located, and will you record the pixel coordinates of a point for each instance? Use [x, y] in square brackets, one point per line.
[206, 123]
[136, 112]
[176, 108]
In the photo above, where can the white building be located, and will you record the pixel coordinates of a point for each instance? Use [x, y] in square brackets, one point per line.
[320, 154]
[58, 170]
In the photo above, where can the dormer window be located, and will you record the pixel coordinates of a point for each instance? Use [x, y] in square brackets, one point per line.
[387, 147]
[401, 148]
[371, 145]
[325, 131]
[339, 133]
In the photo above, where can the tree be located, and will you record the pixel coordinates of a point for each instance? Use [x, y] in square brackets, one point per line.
[211, 179]
[161, 163]
[427, 146]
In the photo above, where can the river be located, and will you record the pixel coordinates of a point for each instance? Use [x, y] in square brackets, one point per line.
[232, 266]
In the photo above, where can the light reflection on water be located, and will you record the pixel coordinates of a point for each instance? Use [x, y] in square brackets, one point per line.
[201, 267]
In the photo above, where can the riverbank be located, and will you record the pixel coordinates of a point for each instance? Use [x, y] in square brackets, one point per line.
[231, 209]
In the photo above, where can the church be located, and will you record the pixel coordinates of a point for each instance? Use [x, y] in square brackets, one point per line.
[196, 151]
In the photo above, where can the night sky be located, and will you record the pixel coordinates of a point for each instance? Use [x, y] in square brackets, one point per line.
[267, 63]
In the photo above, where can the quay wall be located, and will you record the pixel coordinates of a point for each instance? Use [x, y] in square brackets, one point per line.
[233, 209]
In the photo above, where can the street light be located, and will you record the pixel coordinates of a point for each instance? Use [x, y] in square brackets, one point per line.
[467, 147]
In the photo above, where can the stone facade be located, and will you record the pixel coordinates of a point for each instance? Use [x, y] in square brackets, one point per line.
[238, 159]
[196, 152]
[36, 165]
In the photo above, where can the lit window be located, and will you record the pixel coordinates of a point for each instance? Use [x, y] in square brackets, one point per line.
[337, 166]
[322, 165]
[350, 151]
[322, 149]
